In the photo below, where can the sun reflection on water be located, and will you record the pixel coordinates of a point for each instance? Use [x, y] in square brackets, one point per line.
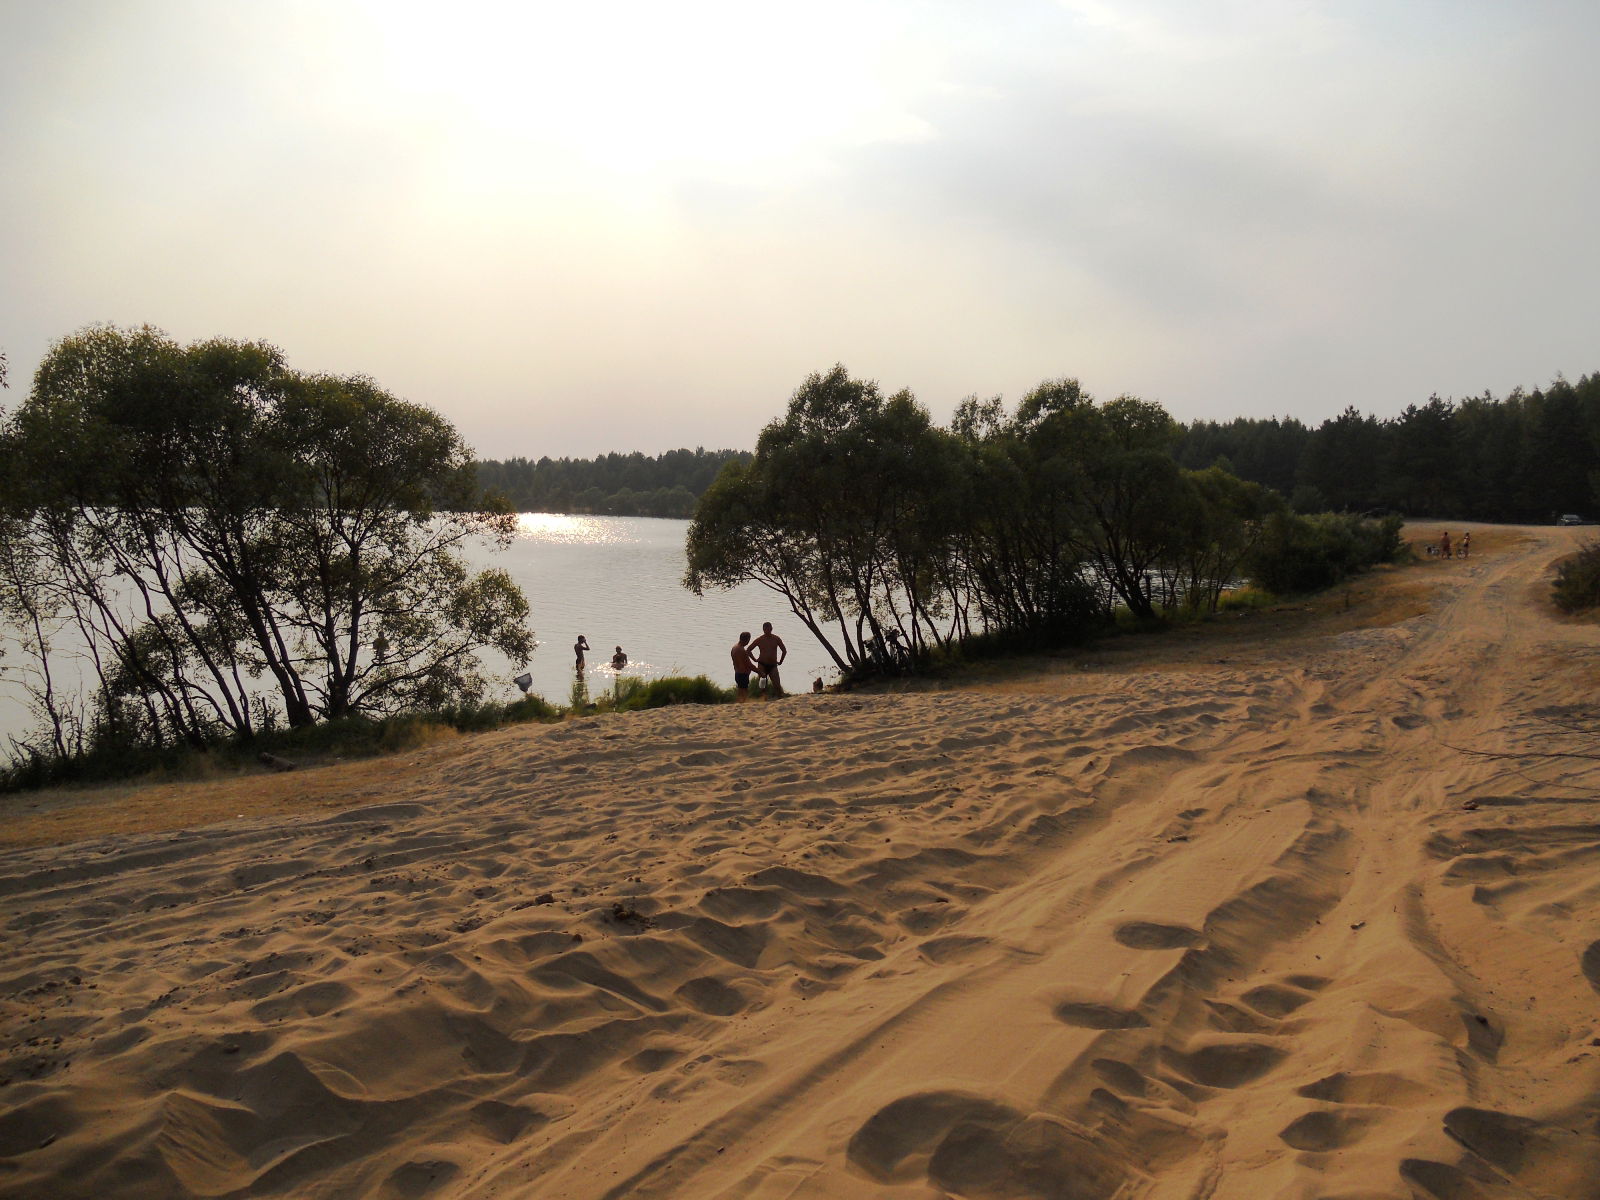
[568, 529]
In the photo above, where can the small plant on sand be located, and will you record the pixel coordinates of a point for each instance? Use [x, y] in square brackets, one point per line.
[1577, 584]
[1245, 599]
[631, 694]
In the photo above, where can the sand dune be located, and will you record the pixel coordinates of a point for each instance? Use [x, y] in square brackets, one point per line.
[1321, 921]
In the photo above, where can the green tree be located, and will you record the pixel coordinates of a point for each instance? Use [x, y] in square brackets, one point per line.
[1220, 520]
[1558, 454]
[1420, 459]
[1113, 466]
[839, 512]
[1344, 461]
[218, 520]
[1022, 564]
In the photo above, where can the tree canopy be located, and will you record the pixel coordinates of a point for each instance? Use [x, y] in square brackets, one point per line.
[891, 538]
[240, 545]
[1528, 457]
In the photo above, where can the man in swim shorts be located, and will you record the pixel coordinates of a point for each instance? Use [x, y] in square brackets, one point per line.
[743, 664]
[770, 653]
[578, 647]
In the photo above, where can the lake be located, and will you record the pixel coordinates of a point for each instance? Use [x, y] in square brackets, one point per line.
[617, 581]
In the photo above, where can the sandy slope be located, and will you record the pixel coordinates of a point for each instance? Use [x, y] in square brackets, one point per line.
[1247, 929]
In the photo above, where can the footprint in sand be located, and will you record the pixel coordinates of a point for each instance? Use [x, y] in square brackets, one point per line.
[652, 1059]
[953, 949]
[971, 1145]
[1322, 1131]
[1152, 935]
[1274, 1000]
[712, 996]
[1229, 1064]
[1590, 964]
[419, 1178]
[1087, 1015]
[1373, 1088]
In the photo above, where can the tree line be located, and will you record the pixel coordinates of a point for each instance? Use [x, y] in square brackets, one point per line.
[227, 545]
[894, 540]
[620, 485]
[1527, 458]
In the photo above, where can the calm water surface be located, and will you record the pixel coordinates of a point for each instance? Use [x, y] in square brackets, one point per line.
[617, 581]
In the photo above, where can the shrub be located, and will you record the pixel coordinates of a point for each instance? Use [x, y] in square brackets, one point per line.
[632, 694]
[1577, 584]
[1306, 554]
[532, 707]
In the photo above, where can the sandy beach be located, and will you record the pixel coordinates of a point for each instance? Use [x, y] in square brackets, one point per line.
[1311, 916]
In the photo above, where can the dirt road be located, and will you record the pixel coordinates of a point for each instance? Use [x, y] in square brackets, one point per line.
[1320, 920]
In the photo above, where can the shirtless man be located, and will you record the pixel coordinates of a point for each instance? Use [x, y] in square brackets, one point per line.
[578, 647]
[743, 664]
[770, 653]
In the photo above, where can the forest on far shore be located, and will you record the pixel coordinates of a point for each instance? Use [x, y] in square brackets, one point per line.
[1526, 458]
[617, 485]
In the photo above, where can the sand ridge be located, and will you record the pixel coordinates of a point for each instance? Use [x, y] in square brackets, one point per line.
[1309, 925]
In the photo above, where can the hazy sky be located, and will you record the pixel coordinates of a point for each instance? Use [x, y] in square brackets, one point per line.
[576, 228]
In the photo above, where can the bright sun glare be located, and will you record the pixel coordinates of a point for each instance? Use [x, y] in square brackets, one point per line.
[632, 88]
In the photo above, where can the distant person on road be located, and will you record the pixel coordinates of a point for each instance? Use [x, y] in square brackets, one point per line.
[578, 648]
[1444, 544]
[743, 664]
[770, 653]
[619, 659]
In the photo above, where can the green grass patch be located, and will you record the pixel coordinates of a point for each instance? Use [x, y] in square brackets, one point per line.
[631, 694]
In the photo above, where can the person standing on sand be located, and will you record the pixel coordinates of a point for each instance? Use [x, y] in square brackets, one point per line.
[578, 648]
[742, 666]
[770, 653]
[1444, 544]
[1466, 543]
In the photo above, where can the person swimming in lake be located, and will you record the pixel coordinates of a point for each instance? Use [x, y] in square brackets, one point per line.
[619, 659]
[578, 648]
[743, 664]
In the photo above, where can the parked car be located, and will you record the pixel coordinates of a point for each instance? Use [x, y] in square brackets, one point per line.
[1571, 519]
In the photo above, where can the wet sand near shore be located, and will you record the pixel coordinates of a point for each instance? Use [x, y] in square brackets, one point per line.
[1306, 910]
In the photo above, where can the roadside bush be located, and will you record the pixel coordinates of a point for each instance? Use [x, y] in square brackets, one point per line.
[1306, 554]
[1577, 584]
